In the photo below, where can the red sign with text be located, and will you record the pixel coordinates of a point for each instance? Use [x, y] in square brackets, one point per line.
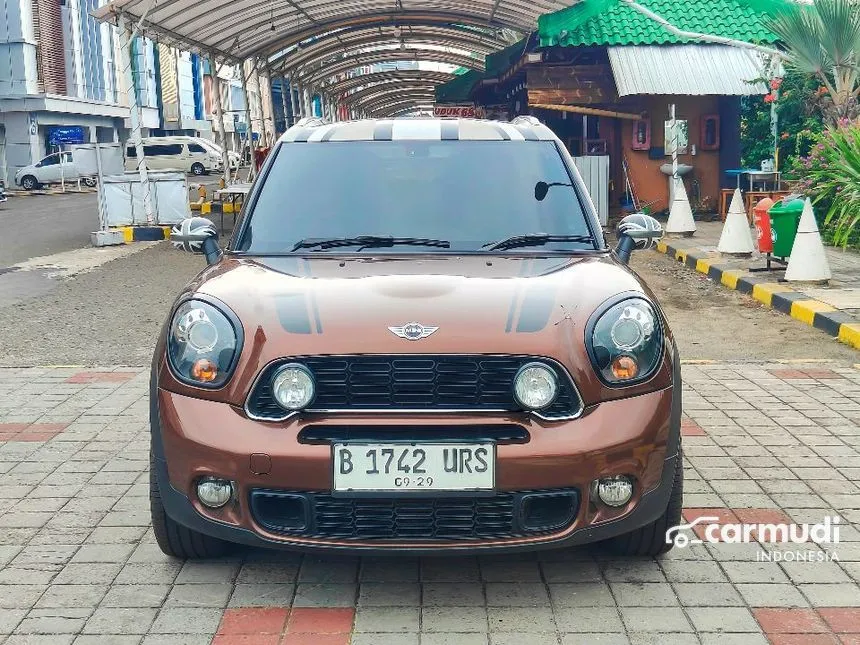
[458, 111]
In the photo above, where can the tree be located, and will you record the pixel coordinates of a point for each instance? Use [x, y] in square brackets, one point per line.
[823, 39]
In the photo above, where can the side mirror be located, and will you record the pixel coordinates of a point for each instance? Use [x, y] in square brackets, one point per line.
[541, 190]
[197, 235]
[637, 231]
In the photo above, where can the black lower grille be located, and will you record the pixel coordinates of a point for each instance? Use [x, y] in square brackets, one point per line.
[421, 519]
[413, 382]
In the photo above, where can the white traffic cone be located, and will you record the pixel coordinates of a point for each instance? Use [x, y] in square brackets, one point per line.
[680, 214]
[736, 238]
[808, 261]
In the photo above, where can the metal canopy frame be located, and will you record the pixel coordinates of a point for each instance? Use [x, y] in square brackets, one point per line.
[320, 43]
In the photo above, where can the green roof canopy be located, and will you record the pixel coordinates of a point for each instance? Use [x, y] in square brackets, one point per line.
[459, 88]
[613, 22]
[500, 61]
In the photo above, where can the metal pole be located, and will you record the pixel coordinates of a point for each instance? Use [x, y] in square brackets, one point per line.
[126, 40]
[273, 133]
[284, 103]
[293, 101]
[249, 131]
[674, 127]
[219, 117]
[101, 189]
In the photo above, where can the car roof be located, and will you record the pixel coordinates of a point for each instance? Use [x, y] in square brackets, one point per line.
[313, 130]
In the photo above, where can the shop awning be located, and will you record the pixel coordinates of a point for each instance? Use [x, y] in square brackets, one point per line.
[692, 70]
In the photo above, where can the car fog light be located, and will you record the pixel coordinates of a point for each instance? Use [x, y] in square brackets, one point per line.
[214, 493]
[535, 386]
[613, 491]
[625, 368]
[293, 387]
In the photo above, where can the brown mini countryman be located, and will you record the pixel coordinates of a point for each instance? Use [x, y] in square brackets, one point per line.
[416, 341]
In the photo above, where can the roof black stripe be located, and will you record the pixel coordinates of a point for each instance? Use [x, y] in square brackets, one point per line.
[383, 131]
[451, 130]
[527, 132]
[303, 136]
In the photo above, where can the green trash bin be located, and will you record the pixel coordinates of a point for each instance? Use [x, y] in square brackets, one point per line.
[784, 220]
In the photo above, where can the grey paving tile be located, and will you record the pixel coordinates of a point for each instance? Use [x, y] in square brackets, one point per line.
[39, 639]
[454, 619]
[185, 620]
[832, 595]
[72, 596]
[595, 639]
[723, 619]
[110, 620]
[107, 639]
[188, 595]
[183, 639]
[771, 595]
[449, 638]
[10, 618]
[707, 594]
[389, 594]
[65, 620]
[643, 594]
[326, 570]
[716, 638]
[390, 570]
[518, 638]
[262, 595]
[586, 594]
[525, 594]
[325, 595]
[571, 571]
[119, 596]
[208, 572]
[518, 619]
[453, 594]
[589, 620]
[405, 638]
[655, 619]
[387, 619]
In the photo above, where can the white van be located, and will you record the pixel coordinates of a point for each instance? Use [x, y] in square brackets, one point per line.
[183, 154]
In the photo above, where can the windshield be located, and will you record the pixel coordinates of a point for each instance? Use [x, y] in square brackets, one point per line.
[470, 194]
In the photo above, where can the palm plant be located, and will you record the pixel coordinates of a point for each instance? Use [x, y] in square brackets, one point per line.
[823, 39]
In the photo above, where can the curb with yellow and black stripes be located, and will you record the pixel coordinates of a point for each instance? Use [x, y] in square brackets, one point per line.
[776, 295]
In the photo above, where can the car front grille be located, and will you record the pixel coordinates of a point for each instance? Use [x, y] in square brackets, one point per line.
[416, 382]
[420, 519]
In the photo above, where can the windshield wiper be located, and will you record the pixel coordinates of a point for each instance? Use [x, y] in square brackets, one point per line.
[368, 242]
[534, 239]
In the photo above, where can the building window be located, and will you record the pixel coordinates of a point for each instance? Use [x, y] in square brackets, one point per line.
[710, 139]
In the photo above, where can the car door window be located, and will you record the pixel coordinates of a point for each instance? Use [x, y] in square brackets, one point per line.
[162, 150]
[196, 149]
[50, 160]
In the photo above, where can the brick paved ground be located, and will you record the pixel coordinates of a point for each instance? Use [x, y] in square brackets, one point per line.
[762, 442]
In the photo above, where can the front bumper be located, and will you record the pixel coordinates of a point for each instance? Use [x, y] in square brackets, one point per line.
[639, 435]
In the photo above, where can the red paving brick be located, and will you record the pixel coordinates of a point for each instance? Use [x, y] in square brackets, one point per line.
[842, 620]
[850, 639]
[320, 620]
[788, 374]
[100, 377]
[247, 639]
[316, 639]
[803, 639]
[30, 431]
[822, 374]
[789, 621]
[690, 428]
[254, 620]
[762, 516]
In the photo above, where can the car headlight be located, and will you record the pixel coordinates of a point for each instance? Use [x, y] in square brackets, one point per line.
[293, 387]
[202, 344]
[535, 386]
[626, 342]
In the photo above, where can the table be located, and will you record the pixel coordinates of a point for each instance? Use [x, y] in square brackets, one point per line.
[756, 175]
[233, 192]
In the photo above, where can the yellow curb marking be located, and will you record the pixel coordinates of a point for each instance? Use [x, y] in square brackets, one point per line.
[127, 234]
[764, 292]
[804, 310]
[850, 333]
[205, 208]
[703, 266]
[681, 256]
[662, 247]
[730, 278]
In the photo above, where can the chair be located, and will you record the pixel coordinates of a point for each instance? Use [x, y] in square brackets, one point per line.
[725, 199]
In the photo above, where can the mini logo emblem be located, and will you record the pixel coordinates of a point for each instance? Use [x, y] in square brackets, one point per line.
[412, 331]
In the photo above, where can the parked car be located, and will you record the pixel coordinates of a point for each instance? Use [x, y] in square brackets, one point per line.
[53, 169]
[234, 157]
[181, 154]
[417, 341]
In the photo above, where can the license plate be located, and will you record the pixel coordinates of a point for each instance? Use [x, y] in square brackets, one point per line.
[414, 467]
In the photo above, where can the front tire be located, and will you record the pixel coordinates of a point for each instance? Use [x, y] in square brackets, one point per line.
[198, 169]
[90, 182]
[650, 540]
[174, 539]
[29, 182]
